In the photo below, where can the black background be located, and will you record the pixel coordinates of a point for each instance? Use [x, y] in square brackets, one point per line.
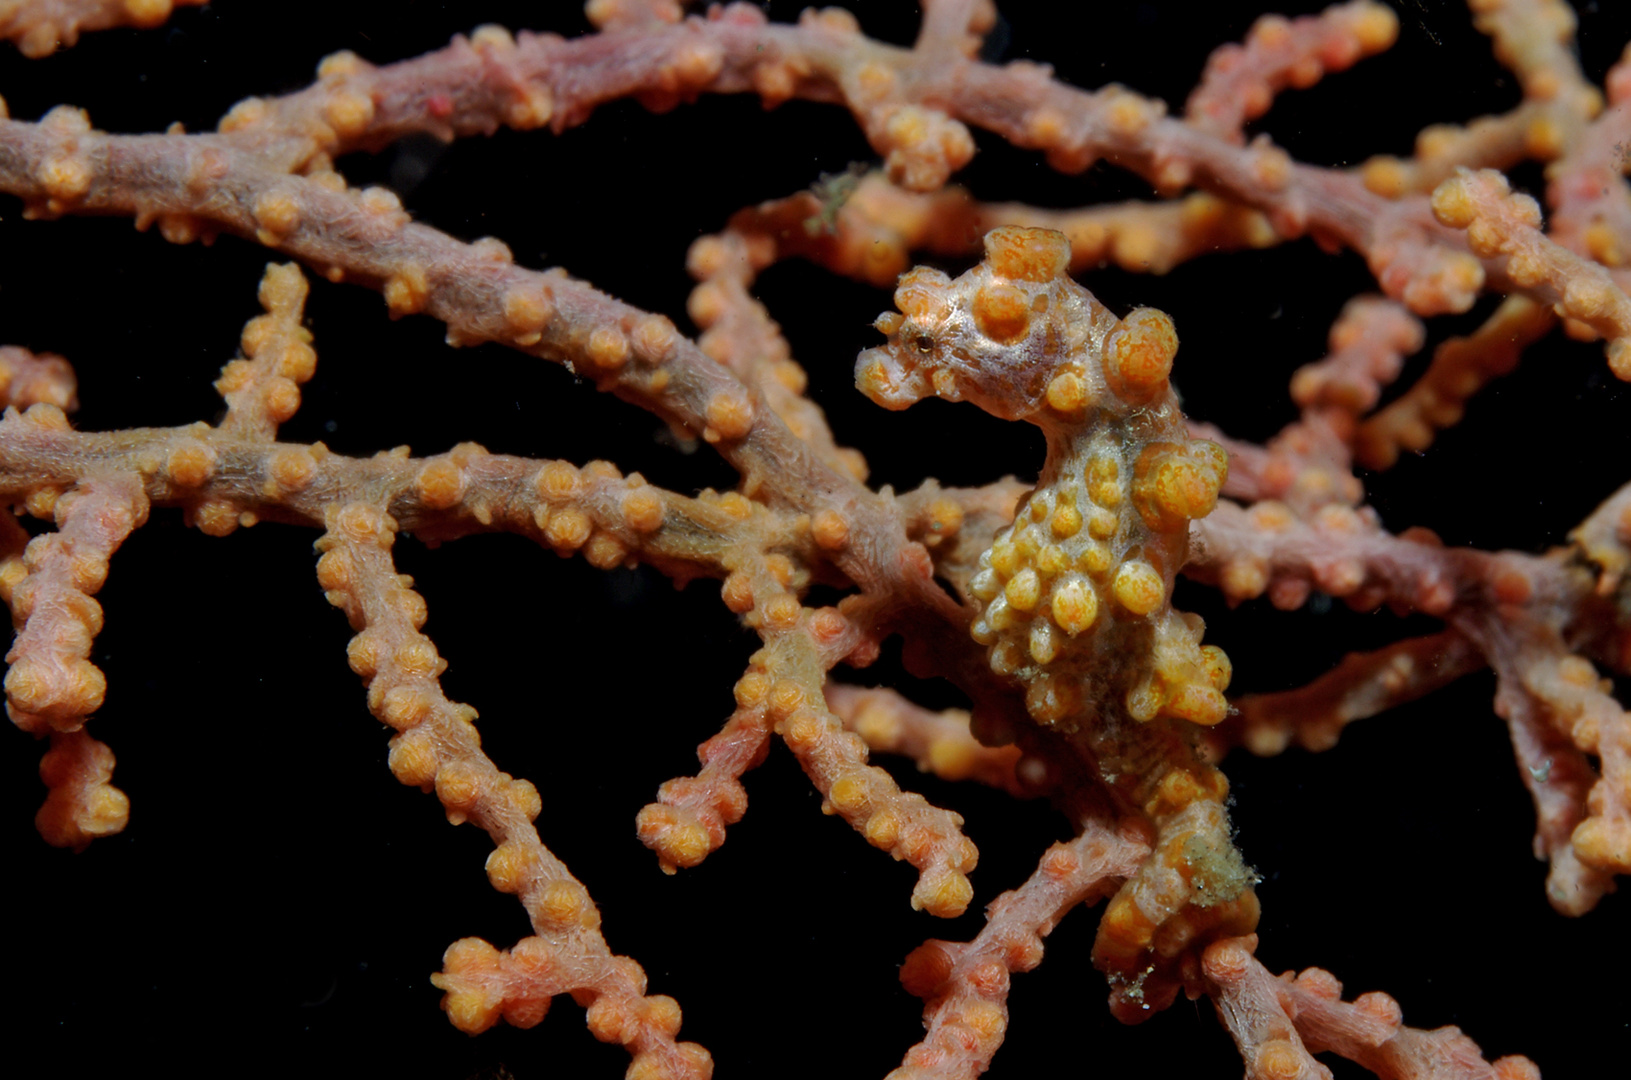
[279, 899]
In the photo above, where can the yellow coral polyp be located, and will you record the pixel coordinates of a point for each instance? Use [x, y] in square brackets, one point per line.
[920, 295]
[1067, 393]
[1036, 255]
[440, 484]
[1138, 587]
[1198, 704]
[1002, 313]
[1066, 522]
[1075, 605]
[1139, 356]
[1219, 670]
[1024, 590]
[1175, 484]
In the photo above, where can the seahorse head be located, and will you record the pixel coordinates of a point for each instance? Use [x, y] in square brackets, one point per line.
[1017, 337]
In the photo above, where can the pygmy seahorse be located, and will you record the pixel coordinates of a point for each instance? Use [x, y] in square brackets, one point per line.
[1074, 598]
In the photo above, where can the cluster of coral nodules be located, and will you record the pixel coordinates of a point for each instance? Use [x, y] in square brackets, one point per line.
[51, 685]
[42, 29]
[1075, 595]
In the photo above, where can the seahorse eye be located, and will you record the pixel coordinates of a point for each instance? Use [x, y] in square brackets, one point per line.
[923, 343]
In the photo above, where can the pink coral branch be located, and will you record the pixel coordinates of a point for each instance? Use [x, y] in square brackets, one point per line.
[870, 233]
[29, 379]
[1605, 538]
[1241, 80]
[1504, 226]
[41, 27]
[1361, 686]
[940, 742]
[1554, 699]
[955, 25]
[52, 686]
[1460, 368]
[437, 748]
[965, 986]
[1250, 1007]
[1367, 1030]
[1533, 39]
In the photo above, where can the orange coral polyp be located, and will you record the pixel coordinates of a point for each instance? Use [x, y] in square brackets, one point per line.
[1140, 355]
[1001, 312]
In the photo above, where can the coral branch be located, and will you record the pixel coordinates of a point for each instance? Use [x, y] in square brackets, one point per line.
[964, 987]
[52, 686]
[1500, 224]
[27, 379]
[1367, 1030]
[436, 748]
[940, 742]
[1251, 1009]
[687, 822]
[1361, 686]
[264, 390]
[41, 27]
[1241, 80]
[1460, 368]
[901, 823]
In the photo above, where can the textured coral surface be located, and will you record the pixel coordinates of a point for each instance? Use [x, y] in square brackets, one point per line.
[279, 895]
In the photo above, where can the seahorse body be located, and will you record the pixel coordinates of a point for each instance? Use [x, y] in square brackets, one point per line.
[1074, 597]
